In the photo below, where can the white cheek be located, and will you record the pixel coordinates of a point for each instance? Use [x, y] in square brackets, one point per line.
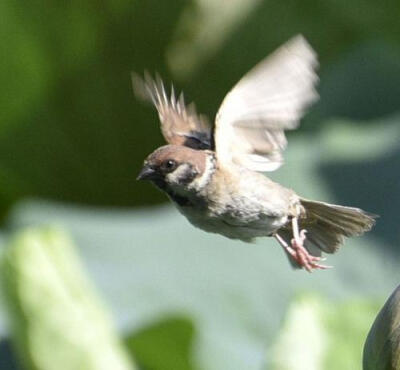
[201, 181]
[174, 177]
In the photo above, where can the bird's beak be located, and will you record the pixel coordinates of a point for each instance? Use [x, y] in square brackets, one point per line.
[147, 173]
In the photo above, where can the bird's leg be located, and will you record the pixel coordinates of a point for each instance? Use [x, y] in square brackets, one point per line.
[301, 254]
[293, 253]
[284, 245]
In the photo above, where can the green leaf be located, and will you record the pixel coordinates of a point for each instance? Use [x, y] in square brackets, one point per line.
[56, 319]
[321, 334]
[164, 345]
[151, 262]
[347, 327]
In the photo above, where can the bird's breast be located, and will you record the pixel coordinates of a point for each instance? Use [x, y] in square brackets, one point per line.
[239, 205]
[234, 223]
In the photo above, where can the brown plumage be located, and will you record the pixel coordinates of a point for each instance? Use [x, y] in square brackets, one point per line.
[218, 185]
[181, 125]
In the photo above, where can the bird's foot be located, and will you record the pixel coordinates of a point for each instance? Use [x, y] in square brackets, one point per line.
[302, 256]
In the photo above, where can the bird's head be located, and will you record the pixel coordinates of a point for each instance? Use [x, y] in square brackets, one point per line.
[178, 169]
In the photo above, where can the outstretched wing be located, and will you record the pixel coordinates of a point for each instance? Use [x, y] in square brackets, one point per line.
[180, 124]
[269, 99]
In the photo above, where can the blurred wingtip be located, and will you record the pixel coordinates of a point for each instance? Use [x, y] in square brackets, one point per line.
[300, 46]
[139, 86]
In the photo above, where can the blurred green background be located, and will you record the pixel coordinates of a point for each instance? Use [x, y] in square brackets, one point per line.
[73, 138]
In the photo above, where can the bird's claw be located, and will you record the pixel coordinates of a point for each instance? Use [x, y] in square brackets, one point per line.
[303, 257]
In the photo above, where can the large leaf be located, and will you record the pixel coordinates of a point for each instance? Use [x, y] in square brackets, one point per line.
[150, 262]
[56, 320]
[319, 334]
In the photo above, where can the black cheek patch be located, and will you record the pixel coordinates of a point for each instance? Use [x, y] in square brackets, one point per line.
[160, 183]
[180, 200]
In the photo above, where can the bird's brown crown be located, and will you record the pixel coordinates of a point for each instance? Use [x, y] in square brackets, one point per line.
[178, 154]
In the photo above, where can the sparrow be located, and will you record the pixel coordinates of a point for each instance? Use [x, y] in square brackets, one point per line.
[216, 178]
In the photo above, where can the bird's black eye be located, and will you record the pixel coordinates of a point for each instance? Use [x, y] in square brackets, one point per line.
[169, 165]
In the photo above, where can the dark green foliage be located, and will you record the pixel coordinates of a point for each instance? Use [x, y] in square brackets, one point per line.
[70, 127]
[164, 345]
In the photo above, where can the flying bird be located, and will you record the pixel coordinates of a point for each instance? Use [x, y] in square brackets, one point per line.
[216, 176]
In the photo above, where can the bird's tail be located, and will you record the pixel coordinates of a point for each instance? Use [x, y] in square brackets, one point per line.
[327, 225]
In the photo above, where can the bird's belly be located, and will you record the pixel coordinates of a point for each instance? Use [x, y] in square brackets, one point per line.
[244, 227]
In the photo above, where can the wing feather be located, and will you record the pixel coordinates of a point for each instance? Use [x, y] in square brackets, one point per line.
[269, 99]
[180, 123]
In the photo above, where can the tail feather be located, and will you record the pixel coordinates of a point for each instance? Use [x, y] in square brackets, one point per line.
[328, 224]
[327, 241]
[350, 221]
